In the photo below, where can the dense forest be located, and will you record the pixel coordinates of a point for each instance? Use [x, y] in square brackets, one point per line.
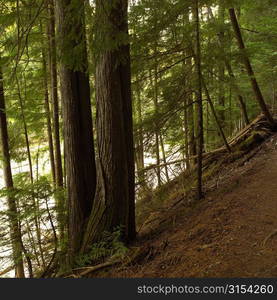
[105, 103]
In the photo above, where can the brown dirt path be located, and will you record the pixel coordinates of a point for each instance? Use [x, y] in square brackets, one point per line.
[231, 233]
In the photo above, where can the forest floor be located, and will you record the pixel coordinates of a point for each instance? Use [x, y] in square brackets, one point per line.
[232, 232]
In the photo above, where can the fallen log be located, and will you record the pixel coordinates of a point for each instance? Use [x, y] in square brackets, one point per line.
[238, 138]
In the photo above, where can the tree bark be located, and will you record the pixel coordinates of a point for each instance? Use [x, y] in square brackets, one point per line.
[139, 139]
[221, 69]
[77, 120]
[15, 230]
[52, 57]
[164, 157]
[114, 204]
[200, 138]
[54, 95]
[48, 119]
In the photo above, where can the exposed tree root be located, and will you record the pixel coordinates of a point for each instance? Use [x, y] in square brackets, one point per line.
[132, 257]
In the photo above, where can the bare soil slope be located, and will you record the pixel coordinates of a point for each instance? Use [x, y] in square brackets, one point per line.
[232, 232]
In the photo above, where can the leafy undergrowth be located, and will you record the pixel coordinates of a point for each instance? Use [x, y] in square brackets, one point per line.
[231, 232]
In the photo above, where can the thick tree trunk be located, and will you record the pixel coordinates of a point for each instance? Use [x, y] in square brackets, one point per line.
[250, 72]
[114, 204]
[15, 230]
[77, 118]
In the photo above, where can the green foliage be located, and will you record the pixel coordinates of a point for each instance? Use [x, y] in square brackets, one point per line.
[110, 246]
[162, 37]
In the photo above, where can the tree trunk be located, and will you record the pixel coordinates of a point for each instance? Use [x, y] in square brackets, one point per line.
[54, 95]
[156, 126]
[48, 119]
[15, 230]
[221, 69]
[164, 157]
[114, 204]
[232, 76]
[31, 174]
[200, 139]
[191, 110]
[140, 145]
[240, 98]
[60, 201]
[220, 130]
[77, 120]
[250, 72]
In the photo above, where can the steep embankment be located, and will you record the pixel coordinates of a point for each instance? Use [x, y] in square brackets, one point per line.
[232, 232]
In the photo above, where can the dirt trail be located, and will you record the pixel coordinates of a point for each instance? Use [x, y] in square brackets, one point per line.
[231, 233]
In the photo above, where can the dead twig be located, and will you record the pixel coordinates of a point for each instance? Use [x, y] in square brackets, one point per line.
[271, 235]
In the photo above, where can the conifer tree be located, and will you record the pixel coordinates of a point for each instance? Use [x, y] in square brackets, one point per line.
[77, 120]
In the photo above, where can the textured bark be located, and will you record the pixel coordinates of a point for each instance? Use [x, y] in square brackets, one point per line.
[250, 72]
[154, 85]
[77, 118]
[114, 201]
[200, 139]
[164, 157]
[186, 136]
[191, 109]
[48, 119]
[189, 138]
[157, 129]
[54, 95]
[59, 182]
[15, 230]
[139, 140]
[221, 68]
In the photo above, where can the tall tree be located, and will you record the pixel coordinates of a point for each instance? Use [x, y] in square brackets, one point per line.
[54, 94]
[77, 118]
[15, 231]
[114, 202]
[221, 69]
[48, 118]
[255, 86]
[52, 57]
[200, 139]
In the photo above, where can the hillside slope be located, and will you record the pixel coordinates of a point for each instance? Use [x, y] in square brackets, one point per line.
[232, 232]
